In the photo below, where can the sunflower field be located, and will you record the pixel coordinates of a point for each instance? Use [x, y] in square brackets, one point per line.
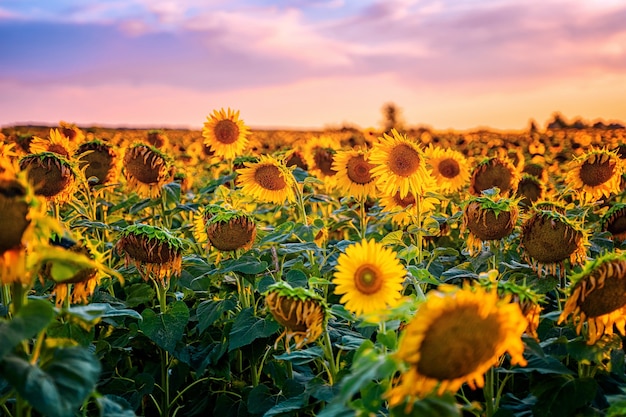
[347, 272]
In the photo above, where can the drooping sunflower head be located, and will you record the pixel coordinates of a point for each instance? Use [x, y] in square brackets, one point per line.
[597, 297]
[225, 133]
[295, 157]
[369, 277]
[400, 166]
[72, 132]
[353, 173]
[489, 217]
[456, 335]
[52, 176]
[549, 238]
[530, 189]
[158, 139]
[100, 160]
[155, 252]
[56, 143]
[595, 174]
[614, 222]
[405, 210]
[226, 230]
[449, 167]
[302, 313]
[146, 169]
[268, 180]
[494, 172]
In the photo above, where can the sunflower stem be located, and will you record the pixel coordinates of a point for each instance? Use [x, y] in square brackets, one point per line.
[488, 391]
[362, 217]
[327, 346]
[165, 382]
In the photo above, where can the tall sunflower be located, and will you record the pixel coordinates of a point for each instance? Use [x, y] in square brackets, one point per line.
[597, 297]
[369, 277]
[449, 167]
[52, 176]
[225, 133]
[267, 180]
[146, 170]
[400, 166]
[494, 172]
[354, 176]
[100, 160]
[614, 222]
[595, 174]
[56, 143]
[226, 230]
[456, 335]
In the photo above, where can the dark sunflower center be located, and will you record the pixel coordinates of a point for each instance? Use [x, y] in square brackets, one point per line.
[449, 168]
[486, 225]
[612, 295]
[231, 235]
[144, 165]
[270, 178]
[324, 161]
[49, 175]
[58, 149]
[404, 202]
[490, 175]
[475, 340]
[549, 240]
[226, 131]
[359, 170]
[530, 190]
[69, 133]
[297, 160]
[616, 225]
[156, 139]
[99, 162]
[368, 280]
[404, 160]
[148, 250]
[14, 211]
[596, 173]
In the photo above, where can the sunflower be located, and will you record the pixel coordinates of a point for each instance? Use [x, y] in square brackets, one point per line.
[52, 176]
[225, 134]
[146, 170]
[400, 166]
[369, 277]
[597, 297]
[530, 189]
[155, 252]
[449, 168]
[354, 176]
[158, 139]
[301, 312]
[405, 211]
[267, 180]
[456, 335]
[614, 222]
[72, 132]
[56, 143]
[595, 174]
[494, 172]
[548, 238]
[226, 230]
[101, 161]
[488, 218]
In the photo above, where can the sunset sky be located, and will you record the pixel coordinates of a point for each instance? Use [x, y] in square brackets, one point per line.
[447, 64]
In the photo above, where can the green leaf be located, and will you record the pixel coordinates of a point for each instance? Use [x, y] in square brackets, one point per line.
[138, 294]
[96, 311]
[33, 317]
[260, 399]
[369, 365]
[114, 406]
[245, 264]
[296, 278]
[430, 407]
[247, 328]
[301, 356]
[166, 329]
[561, 396]
[289, 405]
[393, 238]
[210, 310]
[60, 387]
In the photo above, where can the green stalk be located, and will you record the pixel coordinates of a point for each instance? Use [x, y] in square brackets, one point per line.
[331, 368]
[362, 217]
[488, 391]
[165, 360]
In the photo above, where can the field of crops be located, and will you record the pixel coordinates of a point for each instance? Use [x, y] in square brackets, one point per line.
[241, 272]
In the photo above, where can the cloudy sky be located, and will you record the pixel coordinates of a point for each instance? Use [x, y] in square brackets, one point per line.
[447, 64]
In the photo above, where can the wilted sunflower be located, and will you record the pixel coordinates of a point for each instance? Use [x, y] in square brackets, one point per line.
[155, 252]
[548, 238]
[449, 168]
[101, 160]
[405, 211]
[489, 217]
[369, 277]
[494, 172]
[595, 174]
[56, 143]
[267, 180]
[146, 170]
[353, 173]
[400, 166]
[226, 230]
[455, 336]
[52, 176]
[530, 189]
[614, 222]
[72, 132]
[301, 312]
[597, 297]
[225, 134]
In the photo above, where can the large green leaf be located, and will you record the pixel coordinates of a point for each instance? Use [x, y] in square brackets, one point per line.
[430, 407]
[60, 386]
[561, 396]
[166, 329]
[210, 310]
[369, 365]
[33, 317]
[247, 328]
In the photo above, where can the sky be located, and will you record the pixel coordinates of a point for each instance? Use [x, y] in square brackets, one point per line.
[445, 64]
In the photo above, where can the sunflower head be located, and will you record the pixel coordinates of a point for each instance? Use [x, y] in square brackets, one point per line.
[154, 251]
[146, 169]
[614, 222]
[596, 174]
[228, 230]
[302, 313]
[456, 335]
[267, 180]
[369, 277]
[72, 132]
[225, 133]
[296, 158]
[56, 143]
[51, 175]
[597, 297]
[354, 176]
[548, 238]
[101, 161]
[449, 168]
[530, 189]
[494, 172]
[157, 138]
